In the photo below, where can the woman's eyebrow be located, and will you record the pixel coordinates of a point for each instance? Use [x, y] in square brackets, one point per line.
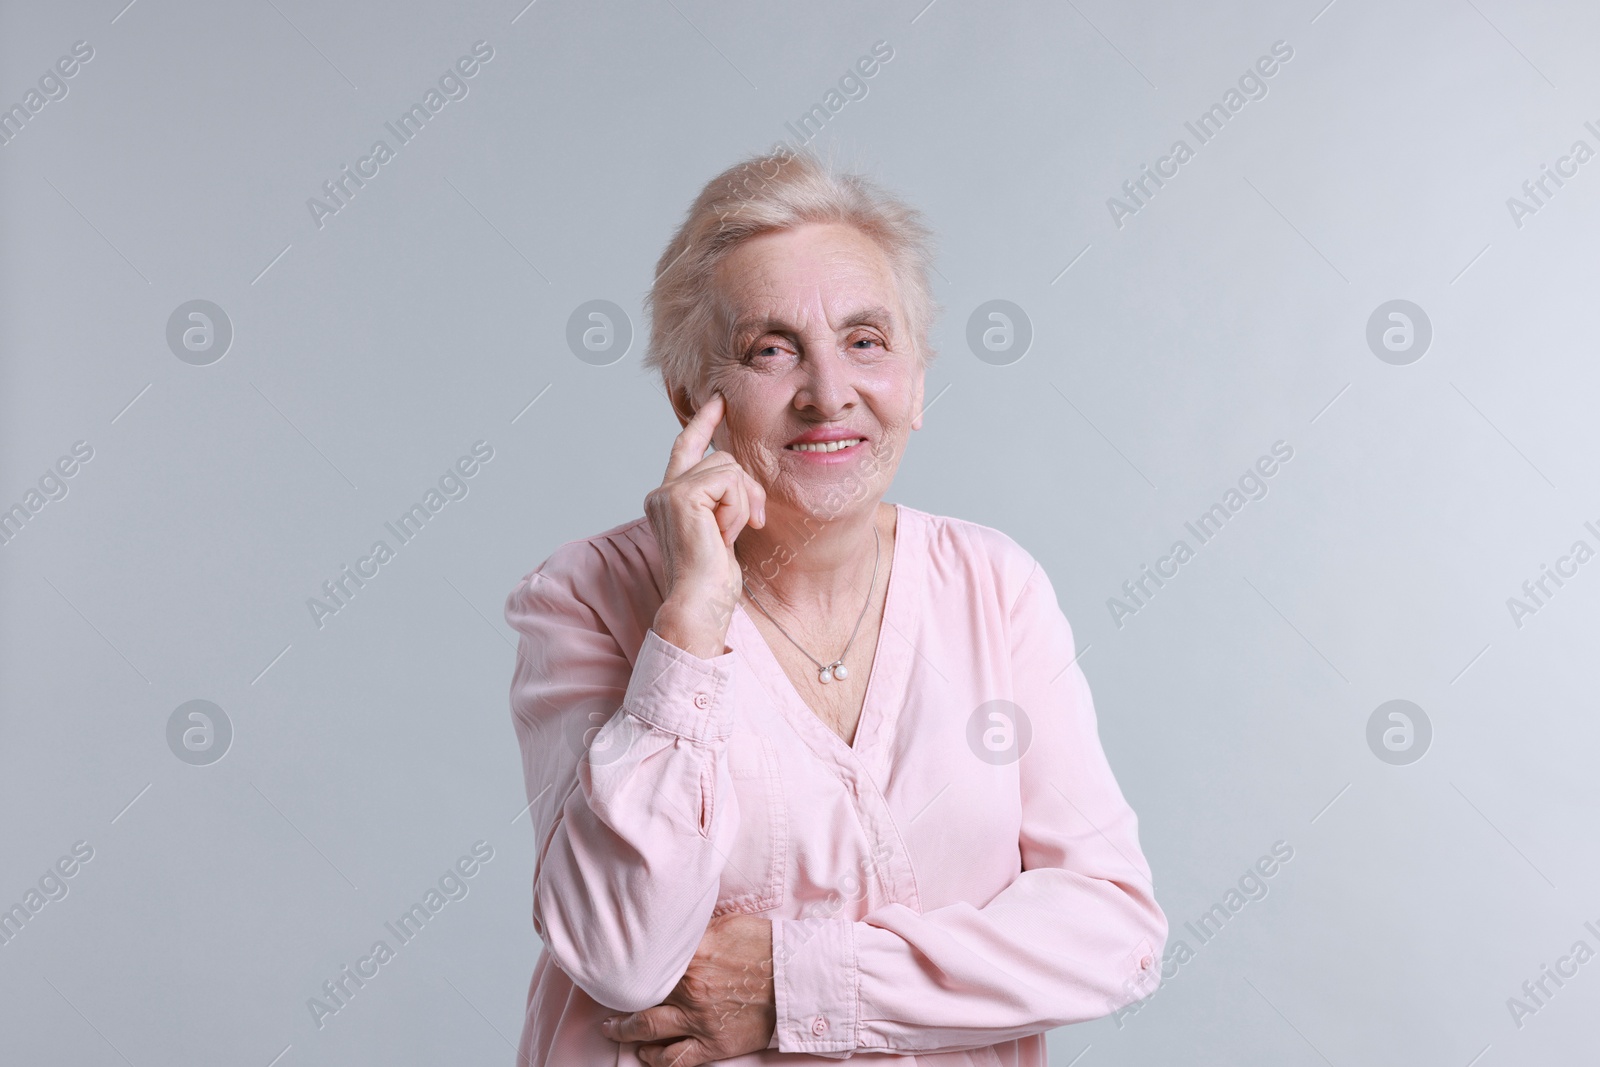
[758, 325]
[876, 315]
[751, 328]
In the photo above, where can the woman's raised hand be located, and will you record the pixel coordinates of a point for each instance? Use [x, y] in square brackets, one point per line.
[697, 512]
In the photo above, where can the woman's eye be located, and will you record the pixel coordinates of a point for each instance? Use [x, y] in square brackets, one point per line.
[869, 341]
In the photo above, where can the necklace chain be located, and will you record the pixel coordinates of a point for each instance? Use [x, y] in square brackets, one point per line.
[828, 672]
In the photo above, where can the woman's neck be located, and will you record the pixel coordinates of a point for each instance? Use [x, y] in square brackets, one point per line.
[813, 567]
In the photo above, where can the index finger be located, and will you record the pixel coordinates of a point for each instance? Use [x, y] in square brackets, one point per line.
[689, 447]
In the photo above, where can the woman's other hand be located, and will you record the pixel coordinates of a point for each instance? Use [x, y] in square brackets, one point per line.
[723, 1006]
[697, 513]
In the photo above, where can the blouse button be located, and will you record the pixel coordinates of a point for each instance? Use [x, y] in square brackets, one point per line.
[820, 1026]
[702, 701]
[1146, 963]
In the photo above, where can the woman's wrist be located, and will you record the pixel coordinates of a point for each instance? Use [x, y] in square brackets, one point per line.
[698, 629]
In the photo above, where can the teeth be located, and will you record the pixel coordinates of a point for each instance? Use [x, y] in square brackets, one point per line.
[828, 446]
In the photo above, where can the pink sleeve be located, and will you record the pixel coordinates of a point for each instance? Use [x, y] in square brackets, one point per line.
[1076, 936]
[634, 810]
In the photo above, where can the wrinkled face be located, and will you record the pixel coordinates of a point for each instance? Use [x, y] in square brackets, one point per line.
[818, 366]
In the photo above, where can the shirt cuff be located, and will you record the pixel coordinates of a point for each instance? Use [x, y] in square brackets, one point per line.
[679, 692]
[815, 981]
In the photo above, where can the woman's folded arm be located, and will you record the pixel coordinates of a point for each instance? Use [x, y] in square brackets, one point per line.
[634, 811]
[1075, 936]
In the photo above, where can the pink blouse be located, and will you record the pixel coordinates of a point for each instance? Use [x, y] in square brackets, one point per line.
[963, 877]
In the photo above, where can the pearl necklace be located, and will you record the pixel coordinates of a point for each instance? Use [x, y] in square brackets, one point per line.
[828, 672]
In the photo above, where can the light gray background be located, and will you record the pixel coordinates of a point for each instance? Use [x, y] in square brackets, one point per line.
[369, 354]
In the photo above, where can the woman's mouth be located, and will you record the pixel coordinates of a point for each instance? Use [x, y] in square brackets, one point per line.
[827, 453]
[825, 447]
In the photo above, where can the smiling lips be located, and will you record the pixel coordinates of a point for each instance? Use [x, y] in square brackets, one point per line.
[838, 445]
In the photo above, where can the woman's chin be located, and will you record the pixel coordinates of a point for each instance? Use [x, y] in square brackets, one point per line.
[822, 504]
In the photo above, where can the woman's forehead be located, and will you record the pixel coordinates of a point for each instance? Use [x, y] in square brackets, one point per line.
[812, 246]
[793, 274]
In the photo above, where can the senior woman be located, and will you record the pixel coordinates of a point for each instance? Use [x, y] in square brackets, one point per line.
[813, 776]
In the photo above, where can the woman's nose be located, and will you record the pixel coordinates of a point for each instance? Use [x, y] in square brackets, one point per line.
[827, 386]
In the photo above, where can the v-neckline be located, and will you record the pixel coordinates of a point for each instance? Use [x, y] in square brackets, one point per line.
[790, 696]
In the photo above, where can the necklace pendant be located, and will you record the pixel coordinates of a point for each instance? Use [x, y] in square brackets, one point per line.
[836, 669]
